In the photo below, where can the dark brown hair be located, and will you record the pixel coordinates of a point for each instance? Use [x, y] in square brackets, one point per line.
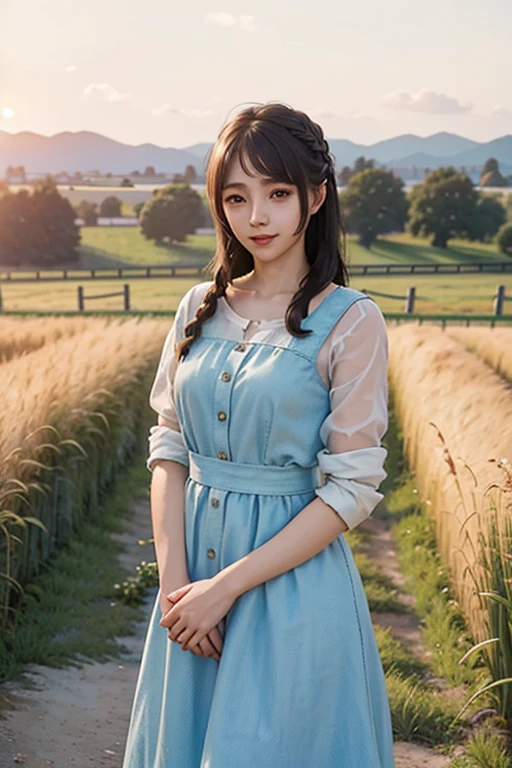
[287, 146]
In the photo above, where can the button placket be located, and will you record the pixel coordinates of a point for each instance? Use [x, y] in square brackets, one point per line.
[214, 527]
[222, 398]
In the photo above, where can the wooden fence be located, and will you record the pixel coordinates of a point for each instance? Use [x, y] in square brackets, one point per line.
[186, 270]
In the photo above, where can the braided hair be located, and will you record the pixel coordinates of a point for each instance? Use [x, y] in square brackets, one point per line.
[287, 146]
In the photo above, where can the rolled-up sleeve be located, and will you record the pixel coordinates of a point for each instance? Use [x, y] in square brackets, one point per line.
[167, 442]
[352, 460]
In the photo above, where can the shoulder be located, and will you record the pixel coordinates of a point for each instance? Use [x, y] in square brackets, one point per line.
[190, 301]
[360, 314]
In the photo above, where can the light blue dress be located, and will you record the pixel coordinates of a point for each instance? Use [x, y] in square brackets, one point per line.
[300, 683]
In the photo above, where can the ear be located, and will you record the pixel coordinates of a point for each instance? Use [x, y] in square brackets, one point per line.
[319, 198]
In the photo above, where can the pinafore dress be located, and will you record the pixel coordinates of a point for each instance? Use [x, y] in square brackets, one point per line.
[300, 682]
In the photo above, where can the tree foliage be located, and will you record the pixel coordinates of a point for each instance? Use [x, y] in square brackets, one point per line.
[39, 228]
[360, 164]
[504, 239]
[87, 211]
[373, 204]
[444, 205]
[110, 207]
[173, 212]
[490, 216]
[491, 176]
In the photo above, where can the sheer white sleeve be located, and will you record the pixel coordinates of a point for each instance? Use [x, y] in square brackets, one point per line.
[167, 442]
[352, 458]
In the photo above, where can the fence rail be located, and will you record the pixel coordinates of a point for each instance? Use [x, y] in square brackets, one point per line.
[397, 317]
[186, 270]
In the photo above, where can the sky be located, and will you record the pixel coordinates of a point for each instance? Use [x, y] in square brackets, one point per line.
[172, 73]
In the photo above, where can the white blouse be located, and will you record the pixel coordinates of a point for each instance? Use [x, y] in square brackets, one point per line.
[353, 364]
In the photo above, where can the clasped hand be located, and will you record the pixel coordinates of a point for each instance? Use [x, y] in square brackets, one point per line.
[198, 608]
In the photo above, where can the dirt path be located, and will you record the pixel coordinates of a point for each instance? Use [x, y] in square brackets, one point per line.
[78, 718]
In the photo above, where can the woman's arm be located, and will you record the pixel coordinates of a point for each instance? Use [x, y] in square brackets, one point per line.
[168, 521]
[316, 526]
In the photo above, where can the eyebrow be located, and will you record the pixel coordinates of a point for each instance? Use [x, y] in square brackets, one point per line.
[240, 184]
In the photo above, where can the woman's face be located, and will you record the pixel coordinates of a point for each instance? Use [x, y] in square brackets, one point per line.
[254, 205]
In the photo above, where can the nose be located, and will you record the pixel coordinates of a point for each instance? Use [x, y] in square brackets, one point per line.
[259, 215]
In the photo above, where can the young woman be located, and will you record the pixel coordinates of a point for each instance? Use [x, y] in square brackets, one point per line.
[272, 401]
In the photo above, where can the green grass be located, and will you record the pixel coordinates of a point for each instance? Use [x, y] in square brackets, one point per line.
[126, 246]
[113, 247]
[465, 294]
[70, 609]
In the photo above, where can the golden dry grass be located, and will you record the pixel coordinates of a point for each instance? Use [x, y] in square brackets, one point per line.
[75, 403]
[435, 378]
[494, 345]
[21, 336]
[73, 372]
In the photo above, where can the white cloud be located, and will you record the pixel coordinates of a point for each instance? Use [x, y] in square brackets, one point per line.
[71, 68]
[222, 19]
[7, 113]
[501, 112]
[427, 100]
[168, 109]
[105, 92]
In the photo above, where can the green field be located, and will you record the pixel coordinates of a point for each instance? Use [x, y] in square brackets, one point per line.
[115, 246]
[118, 246]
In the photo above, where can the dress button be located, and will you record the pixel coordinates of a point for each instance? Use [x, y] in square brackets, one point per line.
[221, 455]
[211, 553]
[221, 416]
[225, 376]
[215, 502]
[240, 347]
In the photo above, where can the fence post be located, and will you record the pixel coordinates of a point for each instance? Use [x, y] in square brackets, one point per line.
[126, 297]
[498, 300]
[409, 299]
[80, 299]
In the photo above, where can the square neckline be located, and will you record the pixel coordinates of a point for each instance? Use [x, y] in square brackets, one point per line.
[274, 321]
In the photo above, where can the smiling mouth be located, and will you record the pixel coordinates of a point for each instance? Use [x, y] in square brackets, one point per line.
[263, 237]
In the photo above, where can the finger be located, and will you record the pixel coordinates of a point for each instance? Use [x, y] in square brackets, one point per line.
[209, 649]
[183, 636]
[194, 638]
[175, 629]
[216, 639]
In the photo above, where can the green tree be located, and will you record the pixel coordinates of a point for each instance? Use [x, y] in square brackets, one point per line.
[490, 165]
[504, 239]
[491, 176]
[39, 228]
[360, 164]
[88, 212]
[508, 207]
[172, 213]
[190, 174]
[443, 206]
[110, 207]
[490, 216]
[374, 203]
[54, 226]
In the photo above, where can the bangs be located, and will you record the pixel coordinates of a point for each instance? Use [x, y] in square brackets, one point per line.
[272, 159]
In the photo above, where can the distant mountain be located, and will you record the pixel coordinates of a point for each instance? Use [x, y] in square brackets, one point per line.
[85, 151]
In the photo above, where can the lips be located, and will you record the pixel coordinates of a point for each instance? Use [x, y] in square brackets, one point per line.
[263, 238]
